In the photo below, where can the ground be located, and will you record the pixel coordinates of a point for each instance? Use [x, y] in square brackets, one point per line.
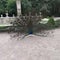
[32, 47]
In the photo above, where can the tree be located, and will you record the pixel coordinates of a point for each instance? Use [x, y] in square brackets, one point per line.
[3, 6]
[11, 7]
[47, 7]
[26, 6]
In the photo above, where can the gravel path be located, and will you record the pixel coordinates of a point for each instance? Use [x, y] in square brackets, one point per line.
[32, 47]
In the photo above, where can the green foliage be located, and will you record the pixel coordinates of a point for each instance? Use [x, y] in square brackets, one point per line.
[26, 6]
[51, 21]
[47, 7]
[8, 5]
[3, 6]
[11, 7]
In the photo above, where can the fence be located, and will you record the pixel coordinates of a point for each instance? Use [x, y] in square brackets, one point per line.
[7, 19]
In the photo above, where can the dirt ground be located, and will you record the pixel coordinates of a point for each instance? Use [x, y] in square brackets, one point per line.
[32, 47]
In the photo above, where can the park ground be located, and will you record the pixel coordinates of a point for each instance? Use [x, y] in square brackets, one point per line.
[32, 47]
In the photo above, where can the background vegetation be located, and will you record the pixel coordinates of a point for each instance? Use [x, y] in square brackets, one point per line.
[47, 7]
[8, 6]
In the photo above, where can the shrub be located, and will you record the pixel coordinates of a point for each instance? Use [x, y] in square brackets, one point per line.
[51, 21]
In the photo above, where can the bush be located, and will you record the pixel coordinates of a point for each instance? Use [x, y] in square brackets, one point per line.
[51, 21]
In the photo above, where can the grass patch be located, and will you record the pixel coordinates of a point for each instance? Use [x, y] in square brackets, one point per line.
[4, 27]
